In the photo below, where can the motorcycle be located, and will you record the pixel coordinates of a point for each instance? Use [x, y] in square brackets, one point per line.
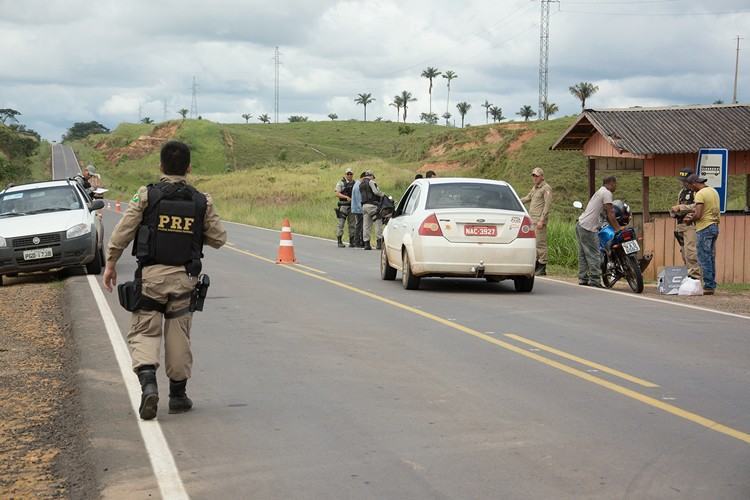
[619, 250]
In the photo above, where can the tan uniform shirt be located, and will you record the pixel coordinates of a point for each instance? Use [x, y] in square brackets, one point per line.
[540, 198]
[214, 233]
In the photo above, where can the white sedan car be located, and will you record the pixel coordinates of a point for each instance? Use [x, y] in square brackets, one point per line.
[460, 227]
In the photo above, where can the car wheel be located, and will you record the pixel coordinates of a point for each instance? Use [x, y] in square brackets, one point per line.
[524, 283]
[386, 271]
[95, 266]
[409, 281]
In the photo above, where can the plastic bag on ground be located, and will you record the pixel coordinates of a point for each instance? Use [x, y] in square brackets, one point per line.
[690, 286]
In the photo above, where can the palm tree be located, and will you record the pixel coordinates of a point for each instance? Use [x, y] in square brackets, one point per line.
[463, 108]
[549, 108]
[496, 113]
[526, 112]
[146, 120]
[583, 91]
[397, 103]
[486, 107]
[364, 100]
[430, 73]
[333, 116]
[449, 75]
[183, 112]
[447, 117]
[406, 98]
[246, 116]
[264, 118]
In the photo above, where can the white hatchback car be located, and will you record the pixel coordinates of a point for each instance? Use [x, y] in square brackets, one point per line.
[49, 225]
[460, 227]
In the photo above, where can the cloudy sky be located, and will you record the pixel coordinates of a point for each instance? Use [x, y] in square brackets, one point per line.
[76, 60]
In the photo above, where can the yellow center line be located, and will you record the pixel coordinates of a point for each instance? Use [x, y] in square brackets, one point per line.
[647, 400]
[592, 364]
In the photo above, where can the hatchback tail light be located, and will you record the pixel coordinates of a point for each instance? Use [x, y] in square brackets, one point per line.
[527, 229]
[430, 227]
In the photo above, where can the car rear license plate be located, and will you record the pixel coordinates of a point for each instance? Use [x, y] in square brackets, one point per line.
[630, 246]
[472, 230]
[37, 253]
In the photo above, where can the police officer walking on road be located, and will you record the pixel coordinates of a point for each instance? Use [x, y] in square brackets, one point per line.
[540, 202]
[684, 231]
[371, 196]
[344, 208]
[169, 221]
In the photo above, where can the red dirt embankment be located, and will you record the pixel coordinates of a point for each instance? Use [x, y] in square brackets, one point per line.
[143, 145]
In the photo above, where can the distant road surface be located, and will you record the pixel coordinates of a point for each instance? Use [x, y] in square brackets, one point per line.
[321, 381]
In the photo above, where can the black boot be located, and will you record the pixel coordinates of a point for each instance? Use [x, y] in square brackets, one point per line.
[340, 243]
[367, 245]
[379, 244]
[150, 392]
[541, 270]
[178, 400]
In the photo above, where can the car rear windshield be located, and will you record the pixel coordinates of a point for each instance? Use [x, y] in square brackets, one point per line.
[472, 195]
[49, 199]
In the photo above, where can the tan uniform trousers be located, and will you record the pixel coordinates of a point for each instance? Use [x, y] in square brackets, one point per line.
[541, 242]
[689, 250]
[370, 212]
[168, 285]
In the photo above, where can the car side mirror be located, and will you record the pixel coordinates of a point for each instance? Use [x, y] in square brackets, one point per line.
[577, 204]
[96, 205]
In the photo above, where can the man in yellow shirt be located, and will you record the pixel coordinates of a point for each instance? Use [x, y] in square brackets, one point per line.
[706, 217]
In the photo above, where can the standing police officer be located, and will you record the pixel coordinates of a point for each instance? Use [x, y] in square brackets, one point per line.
[169, 221]
[540, 198]
[684, 231]
[371, 196]
[344, 210]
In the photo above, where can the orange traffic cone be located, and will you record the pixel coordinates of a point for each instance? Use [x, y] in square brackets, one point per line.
[286, 246]
[117, 206]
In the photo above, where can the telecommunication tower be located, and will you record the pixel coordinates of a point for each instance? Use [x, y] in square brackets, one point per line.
[194, 101]
[544, 56]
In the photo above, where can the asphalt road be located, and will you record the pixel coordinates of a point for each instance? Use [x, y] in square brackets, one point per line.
[322, 381]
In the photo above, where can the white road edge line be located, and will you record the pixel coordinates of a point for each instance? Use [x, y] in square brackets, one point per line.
[162, 461]
[650, 299]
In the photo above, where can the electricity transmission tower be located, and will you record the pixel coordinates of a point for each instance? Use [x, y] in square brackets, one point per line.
[164, 117]
[276, 63]
[544, 56]
[736, 70]
[194, 101]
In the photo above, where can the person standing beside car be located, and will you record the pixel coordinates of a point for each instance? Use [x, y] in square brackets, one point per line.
[370, 203]
[540, 202]
[169, 221]
[598, 211]
[707, 216]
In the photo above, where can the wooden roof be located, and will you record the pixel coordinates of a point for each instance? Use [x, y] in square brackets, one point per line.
[671, 130]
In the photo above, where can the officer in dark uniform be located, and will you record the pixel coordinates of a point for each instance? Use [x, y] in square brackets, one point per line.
[169, 221]
[684, 231]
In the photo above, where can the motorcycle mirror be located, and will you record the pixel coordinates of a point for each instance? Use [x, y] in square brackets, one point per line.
[577, 204]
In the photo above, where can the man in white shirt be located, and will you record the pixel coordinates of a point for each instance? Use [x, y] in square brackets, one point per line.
[598, 211]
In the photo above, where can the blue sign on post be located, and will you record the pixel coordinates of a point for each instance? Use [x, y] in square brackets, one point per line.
[712, 165]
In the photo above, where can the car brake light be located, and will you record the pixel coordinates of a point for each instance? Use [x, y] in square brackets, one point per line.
[527, 229]
[430, 227]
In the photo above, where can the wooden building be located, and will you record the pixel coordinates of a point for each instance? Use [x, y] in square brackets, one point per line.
[658, 142]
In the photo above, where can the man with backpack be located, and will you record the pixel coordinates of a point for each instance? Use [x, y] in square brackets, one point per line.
[371, 196]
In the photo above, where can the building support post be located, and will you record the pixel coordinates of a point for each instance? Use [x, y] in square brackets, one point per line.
[646, 212]
[747, 193]
[592, 177]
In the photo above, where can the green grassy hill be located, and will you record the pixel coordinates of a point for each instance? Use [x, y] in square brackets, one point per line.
[260, 174]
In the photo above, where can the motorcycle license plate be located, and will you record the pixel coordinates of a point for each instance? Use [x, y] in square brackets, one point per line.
[471, 230]
[37, 253]
[630, 246]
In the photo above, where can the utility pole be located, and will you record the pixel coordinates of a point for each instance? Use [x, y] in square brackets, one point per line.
[276, 63]
[140, 112]
[736, 70]
[164, 117]
[194, 101]
[544, 56]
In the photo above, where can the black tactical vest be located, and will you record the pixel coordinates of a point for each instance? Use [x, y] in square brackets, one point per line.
[347, 191]
[171, 232]
[368, 197]
[686, 197]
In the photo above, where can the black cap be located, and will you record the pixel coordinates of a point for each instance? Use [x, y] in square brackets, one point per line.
[694, 178]
[684, 173]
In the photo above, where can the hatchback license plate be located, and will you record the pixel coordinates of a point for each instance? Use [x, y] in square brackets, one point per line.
[630, 246]
[37, 253]
[480, 230]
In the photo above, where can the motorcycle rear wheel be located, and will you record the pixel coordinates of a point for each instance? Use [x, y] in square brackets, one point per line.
[633, 274]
